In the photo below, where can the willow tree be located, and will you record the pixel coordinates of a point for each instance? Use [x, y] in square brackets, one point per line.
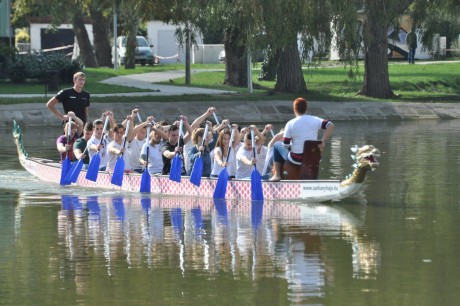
[432, 18]
[185, 14]
[360, 27]
[239, 21]
[128, 12]
[297, 31]
[101, 12]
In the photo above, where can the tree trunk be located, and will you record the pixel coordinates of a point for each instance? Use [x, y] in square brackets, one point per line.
[376, 77]
[101, 38]
[86, 51]
[289, 74]
[131, 45]
[235, 60]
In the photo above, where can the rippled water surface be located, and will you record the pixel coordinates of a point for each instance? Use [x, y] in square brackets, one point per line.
[395, 243]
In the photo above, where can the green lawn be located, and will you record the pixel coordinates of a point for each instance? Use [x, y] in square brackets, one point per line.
[419, 82]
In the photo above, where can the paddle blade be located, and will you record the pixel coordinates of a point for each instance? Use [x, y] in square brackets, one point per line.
[221, 185]
[76, 171]
[145, 182]
[197, 218]
[93, 168]
[257, 209]
[256, 186]
[221, 208]
[66, 165]
[176, 169]
[68, 177]
[197, 171]
[117, 177]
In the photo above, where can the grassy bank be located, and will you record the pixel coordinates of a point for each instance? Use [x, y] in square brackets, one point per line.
[439, 82]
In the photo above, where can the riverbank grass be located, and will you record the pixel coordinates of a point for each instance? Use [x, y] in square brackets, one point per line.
[438, 82]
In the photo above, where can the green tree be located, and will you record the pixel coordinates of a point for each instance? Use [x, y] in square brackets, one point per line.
[361, 27]
[441, 17]
[238, 20]
[284, 24]
[61, 11]
[101, 13]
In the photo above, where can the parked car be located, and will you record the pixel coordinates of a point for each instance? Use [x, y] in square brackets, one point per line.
[144, 53]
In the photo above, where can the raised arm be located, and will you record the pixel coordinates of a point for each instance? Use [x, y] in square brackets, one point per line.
[236, 136]
[224, 124]
[257, 134]
[196, 123]
[77, 120]
[142, 125]
[131, 124]
[159, 129]
[189, 129]
[278, 137]
[266, 130]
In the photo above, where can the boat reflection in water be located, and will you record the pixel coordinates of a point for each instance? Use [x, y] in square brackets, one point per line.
[251, 240]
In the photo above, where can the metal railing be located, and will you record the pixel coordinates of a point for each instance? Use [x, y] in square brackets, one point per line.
[23, 47]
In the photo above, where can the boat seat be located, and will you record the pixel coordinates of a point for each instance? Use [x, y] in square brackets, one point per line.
[310, 164]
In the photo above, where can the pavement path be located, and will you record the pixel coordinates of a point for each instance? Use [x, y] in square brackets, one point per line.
[145, 81]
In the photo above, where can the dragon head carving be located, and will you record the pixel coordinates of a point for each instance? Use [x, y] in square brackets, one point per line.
[366, 159]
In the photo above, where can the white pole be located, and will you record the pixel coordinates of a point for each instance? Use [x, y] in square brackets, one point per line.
[115, 34]
[249, 71]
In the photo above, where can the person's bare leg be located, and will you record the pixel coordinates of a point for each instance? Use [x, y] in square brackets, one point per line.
[276, 172]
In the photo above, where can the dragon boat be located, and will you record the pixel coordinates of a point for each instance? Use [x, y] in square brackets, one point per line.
[305, 190]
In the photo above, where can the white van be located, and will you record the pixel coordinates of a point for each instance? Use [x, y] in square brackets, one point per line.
[144, 54]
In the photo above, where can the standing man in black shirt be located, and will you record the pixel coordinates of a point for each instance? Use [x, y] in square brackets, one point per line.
[73, 99]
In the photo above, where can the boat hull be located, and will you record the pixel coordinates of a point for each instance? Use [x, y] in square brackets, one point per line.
[312, 190]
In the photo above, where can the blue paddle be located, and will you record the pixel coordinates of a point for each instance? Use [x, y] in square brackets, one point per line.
[257, 210]
[222, 180]
[74, 172]
[221, 208]
[93, 208]
[66, 164]
[146, 204]
[119, 207]
[197, 217]
[176, 163]
[197, 170]
[256, 180]
[145, 179]
[117, 177]
[94, 163]
[68, 177]
[177, 221]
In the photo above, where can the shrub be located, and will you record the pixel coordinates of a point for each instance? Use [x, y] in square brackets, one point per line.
[6, 56]
[39, 65]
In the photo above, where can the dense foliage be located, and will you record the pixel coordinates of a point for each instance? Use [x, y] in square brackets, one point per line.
[40, 66]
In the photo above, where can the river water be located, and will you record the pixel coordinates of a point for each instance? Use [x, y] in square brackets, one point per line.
[395, 243]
